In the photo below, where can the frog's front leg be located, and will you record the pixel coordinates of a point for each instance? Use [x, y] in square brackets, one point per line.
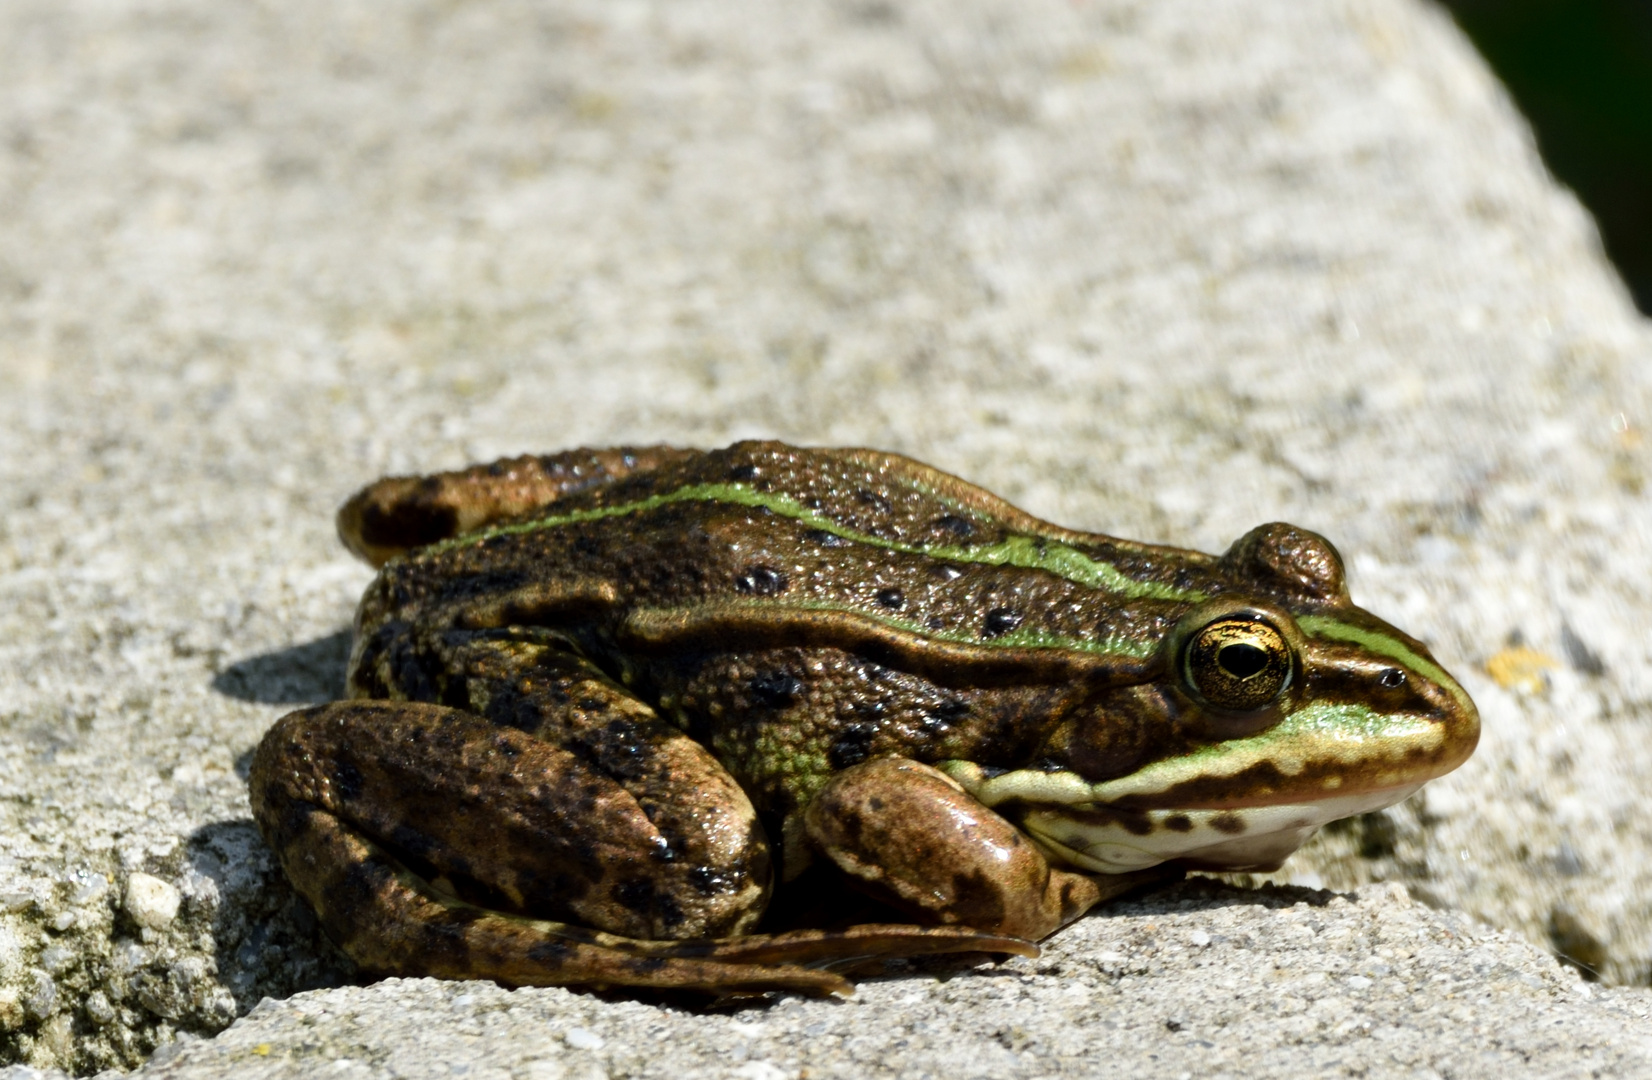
[911, 835]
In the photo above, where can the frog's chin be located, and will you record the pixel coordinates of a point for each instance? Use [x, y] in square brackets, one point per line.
[1107, 841]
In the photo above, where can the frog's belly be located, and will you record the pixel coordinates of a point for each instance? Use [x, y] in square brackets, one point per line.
[1240, 838]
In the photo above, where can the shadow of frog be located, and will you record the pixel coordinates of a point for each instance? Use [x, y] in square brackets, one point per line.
[305, 674]
[266, 941]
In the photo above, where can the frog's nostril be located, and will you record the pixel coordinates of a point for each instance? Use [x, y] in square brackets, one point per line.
[1391, 678]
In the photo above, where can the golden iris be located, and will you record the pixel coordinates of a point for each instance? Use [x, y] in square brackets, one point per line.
[1238, 662]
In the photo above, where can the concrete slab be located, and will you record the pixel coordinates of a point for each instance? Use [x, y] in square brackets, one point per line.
[1166, 270]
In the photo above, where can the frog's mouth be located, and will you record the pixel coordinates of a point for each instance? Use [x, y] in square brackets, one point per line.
[1105, 840]
[1241, 804]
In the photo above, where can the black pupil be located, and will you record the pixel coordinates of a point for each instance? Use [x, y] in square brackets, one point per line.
[1242, 661]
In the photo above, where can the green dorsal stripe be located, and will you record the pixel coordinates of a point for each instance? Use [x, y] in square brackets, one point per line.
[1051, 556]
[692, 621]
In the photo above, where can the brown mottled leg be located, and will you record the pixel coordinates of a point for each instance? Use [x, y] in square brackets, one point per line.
[398, 513]
[910, 834]
[596, 812]
[522, 825]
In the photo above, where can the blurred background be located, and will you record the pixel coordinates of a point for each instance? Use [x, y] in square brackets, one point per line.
[1581, 71]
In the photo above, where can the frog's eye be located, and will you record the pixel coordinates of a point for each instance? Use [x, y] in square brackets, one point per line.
[1238, 662]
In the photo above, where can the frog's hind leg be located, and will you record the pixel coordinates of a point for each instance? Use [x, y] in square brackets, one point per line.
[398, 513]
[393, 922]
[371, 804]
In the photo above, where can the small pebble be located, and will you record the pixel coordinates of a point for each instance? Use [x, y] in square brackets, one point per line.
[583, 1039]
[151, 902]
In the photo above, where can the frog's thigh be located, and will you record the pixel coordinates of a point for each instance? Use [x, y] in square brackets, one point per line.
[398, 513]
[910, 834]
[518, 824]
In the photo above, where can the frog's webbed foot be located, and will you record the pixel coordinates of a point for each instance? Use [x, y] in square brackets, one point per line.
[398, 513]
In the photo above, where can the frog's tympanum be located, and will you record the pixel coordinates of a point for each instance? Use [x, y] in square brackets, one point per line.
[603, 702]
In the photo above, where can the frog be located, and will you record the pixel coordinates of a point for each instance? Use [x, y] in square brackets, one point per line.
[607, 708]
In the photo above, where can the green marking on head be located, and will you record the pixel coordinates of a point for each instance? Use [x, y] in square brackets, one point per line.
[1326, 626]
[1350, 734]
[1052, 556]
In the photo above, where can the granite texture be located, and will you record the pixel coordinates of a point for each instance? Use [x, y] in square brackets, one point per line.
[1162, 269]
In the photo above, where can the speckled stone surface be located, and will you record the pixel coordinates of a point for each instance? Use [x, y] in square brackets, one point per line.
[1165, 270]
[1201, 981]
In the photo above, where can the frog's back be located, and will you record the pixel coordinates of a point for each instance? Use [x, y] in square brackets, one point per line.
[766, 542]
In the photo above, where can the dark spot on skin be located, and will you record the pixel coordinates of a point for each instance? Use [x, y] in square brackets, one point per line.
[1179, 823]
[893, 599]
[852, 746]
[960, 527]
[294, 821]
[591, 704]
[1051, 765]
[706, 881]
[977, 899]
[635, 895]
[775, 688]
[742, 472]
[587, 546]
[640, 896]
[347, 781]
[409, 673]
[1232, 824]
[944, 715]
[1391, 679]
[871, 498]
[409, 523]
[869, 710]
[875, 803]
[761, 581]
[851, 825]
[935, 622]
[552, 954]
[507, 747]
[1133, 822]
[1000, 621]
[826, 539]
[945, 572]
[618, 749]
[414, 848]
[357, 889]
